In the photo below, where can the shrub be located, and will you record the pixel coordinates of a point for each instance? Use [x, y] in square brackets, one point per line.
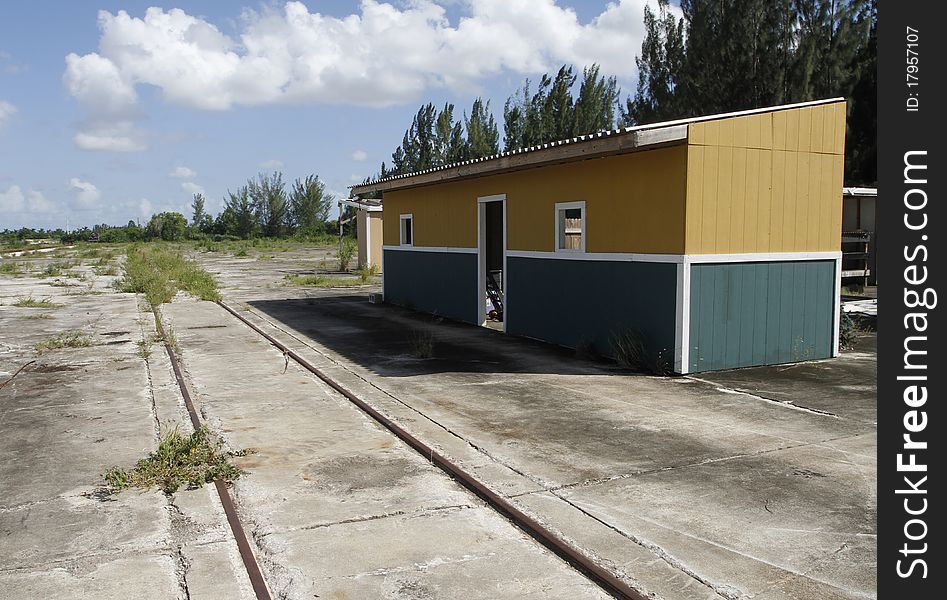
[346, 252]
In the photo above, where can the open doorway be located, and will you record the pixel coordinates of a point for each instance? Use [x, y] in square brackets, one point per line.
[491, 263]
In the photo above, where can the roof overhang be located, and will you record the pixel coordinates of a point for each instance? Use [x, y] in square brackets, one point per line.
[595, 146]
[859, 191]
[368, 205]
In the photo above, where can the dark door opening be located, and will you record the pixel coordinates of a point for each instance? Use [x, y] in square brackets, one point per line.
[493, 261]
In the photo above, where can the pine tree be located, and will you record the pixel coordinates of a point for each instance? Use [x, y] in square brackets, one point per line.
[595, 106]
[558, 116]
[240, 219]
[309, 204]
[737, 54]
[483, 138]
[200, 220]
[661, 63]
[268, 196]
[514, 119]
[448, 138]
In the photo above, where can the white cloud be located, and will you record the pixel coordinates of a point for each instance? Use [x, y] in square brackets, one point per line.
[380, 56]
[7, 110]
[359, 155]
[183, 173]
[13, 201]
[192, 188]
[144, 208]
[272, 164]
[87, 195]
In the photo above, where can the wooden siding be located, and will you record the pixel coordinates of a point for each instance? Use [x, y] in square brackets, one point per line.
[768, 182]
[745, 314]
[634, 203]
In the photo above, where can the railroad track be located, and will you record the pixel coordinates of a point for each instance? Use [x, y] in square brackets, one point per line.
[596, 573]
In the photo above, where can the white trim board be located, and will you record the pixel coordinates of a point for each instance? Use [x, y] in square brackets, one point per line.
[677, 258]
[431, 249]
[682, 326]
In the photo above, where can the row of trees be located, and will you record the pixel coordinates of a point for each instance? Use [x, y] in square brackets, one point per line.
[436, 138]
[740, 54]
[265, 206]
[720, 56]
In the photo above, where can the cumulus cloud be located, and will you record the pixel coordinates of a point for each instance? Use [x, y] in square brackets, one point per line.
[183, 173]
[359, 156]
[87, 195]
[14, 201]
[192, 188]
[7, 110]
[272, 164]
[380, 56]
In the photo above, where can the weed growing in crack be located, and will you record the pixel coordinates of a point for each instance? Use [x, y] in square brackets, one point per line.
[70, 339]
[422, 344]
[180, 460]
[31, 302]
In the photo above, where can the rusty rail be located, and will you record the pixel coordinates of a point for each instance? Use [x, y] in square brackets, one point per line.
[240, 536]
[602, 577]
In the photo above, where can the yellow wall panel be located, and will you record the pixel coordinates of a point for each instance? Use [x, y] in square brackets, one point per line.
[766, 130]
[634, 203]
[780, 192]
[779, 133]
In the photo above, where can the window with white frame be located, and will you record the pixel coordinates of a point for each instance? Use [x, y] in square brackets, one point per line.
[407, 230]
[570, 226]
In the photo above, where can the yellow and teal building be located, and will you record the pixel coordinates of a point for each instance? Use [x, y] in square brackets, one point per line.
[717, 238]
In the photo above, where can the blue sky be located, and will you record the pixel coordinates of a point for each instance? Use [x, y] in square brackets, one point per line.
[113, 110]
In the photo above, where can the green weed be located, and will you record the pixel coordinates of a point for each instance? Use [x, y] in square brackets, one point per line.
[160, 272]
[180, 460]
[31, 302]
[71, 339]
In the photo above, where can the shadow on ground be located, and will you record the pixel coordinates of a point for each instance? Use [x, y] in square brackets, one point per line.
[379, 337]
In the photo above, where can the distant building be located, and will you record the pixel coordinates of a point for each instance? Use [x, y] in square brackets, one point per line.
[859, 234]
[715, 238]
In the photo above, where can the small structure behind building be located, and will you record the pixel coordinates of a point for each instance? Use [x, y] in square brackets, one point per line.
[859, 235]
[368, 221]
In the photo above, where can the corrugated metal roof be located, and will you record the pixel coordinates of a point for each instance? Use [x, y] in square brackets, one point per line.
[371, 186]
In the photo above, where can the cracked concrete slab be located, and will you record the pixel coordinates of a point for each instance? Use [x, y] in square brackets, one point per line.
[67, 416]
[337, 505]
[623, 465]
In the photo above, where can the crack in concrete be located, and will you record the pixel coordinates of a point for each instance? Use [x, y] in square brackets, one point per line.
[662, 555]
[594, 482]
[783, 403]
[396, 513]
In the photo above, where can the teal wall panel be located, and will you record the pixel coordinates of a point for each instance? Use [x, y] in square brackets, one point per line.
[745, 314]
[443, 283]
[569, 302]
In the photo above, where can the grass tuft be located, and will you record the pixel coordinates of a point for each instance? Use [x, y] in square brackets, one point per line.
[69, 339]
[422, 344]
[180, 460]
[10, 267]
[325, 281]
[31, 302]
[630, 348]
[159, 273]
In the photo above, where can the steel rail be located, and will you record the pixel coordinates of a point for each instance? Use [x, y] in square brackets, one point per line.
[602, 577]
[240, 536]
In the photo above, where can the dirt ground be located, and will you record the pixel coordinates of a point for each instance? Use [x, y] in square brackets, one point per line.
[749, 483]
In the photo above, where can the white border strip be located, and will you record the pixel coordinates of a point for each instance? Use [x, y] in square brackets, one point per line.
[682, 329]
[678, 258]
[431, 249]
[838, 307]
